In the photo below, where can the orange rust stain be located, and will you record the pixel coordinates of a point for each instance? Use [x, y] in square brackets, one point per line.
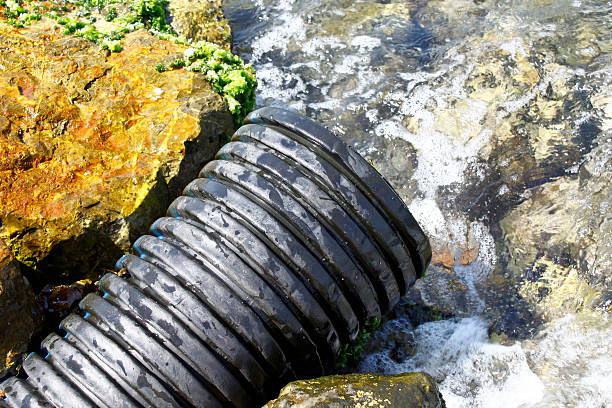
[26, 86]
[72, 67]
[447, 257]
[54, 209]
[443, 257]
[59, 142]
[457, 285]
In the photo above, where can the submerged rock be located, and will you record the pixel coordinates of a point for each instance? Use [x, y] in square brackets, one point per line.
[512, 141]
[415, 390]
[95, 145]
[558, 240]
[19, 313]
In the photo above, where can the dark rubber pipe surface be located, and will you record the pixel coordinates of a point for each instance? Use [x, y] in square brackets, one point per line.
[262, 271]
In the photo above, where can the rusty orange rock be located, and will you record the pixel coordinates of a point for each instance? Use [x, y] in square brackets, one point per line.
[93, 147]
[461, 254]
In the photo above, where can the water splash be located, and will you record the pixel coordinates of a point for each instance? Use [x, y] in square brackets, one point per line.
[473, 372]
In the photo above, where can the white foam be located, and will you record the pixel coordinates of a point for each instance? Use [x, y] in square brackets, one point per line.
[348, 64]
[365, 42]
[276, 81]
[288, 27]
[471, 371]
[573, 356]
[426, 209]
[515, 47]
[486, 252]
[314, 46]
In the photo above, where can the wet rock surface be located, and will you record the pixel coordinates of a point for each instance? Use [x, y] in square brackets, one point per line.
[569, 218]
[20, 316]
[94, 146]
[361, 390]
[57, 301]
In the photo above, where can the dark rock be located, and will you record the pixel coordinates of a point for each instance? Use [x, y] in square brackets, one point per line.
[19, 314]
[57, 300]
[444, 294]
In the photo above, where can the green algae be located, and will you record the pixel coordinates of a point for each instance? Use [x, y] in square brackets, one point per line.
[17, 15]
[159, 67]
[177, 63]
[352, 352]
[111, 45]
[228, 74]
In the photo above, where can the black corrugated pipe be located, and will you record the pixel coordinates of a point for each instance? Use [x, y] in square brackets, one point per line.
[268, 264]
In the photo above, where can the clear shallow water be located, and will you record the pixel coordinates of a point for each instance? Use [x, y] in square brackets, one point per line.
[492, 119]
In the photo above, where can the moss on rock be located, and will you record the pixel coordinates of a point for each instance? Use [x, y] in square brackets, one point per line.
[415, 390]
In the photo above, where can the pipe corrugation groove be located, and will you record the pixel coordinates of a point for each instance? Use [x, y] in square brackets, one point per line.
[262, 271]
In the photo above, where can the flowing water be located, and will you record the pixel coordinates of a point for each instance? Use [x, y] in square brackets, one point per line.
[493, 121]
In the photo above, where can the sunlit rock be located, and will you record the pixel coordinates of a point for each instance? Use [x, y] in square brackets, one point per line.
[558, 242]
[95, 145]
[200, 20]
[416, 390]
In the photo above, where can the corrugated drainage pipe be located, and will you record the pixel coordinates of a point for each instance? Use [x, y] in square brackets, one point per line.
[268, 264]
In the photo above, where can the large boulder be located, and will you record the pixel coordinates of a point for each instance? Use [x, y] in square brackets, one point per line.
[415, 390]
[94, 145]
[19, 313]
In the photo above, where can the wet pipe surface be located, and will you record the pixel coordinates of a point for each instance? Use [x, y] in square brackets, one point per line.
[271, 261]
